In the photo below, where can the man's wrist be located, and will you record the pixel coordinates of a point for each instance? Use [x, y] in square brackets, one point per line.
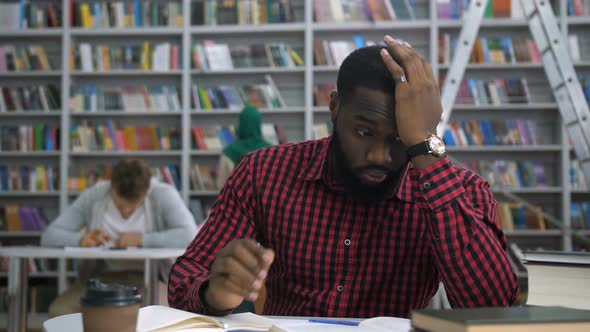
[419, 137]
[425, 160]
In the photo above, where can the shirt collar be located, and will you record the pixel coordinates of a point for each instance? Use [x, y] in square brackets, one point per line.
[315, 170]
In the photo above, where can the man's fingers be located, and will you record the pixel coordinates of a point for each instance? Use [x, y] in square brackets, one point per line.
[250, 256]
[394, 68]
[229, 285]
[267, 258]
[235, 270]
[406, 57]
[249, 253]
[428, 69]
[100, 235]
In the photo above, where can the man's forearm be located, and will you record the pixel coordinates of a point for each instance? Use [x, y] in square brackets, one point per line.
[471, 259]
[467, 243]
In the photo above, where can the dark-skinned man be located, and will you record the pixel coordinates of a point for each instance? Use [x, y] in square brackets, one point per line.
[364, 223]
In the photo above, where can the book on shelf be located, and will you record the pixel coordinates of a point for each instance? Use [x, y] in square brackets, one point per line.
[30, 15]
[577, 177]
[499, 91]
[333, 52]
[363, 10]
[259, 95]
[585, 82]
[272, 133]
[213, 138]
[39, 298]
[558, 278]
[169, 174]
[574, 47]
[515, 216]
[28, 138]
[209, 55]
[218, 137]
[580, 215]
[86, 137]
[18, 58]
[454, 9]
[83, 177]
[525, 319]
[491, 50]
[42, 97]
[126, 14]
[492, 133]
[145, 56]
[20, 218]
[321, 93]
[30, 178]
[139, 98]
[578, 8]
[200, 209]
[510, 174]
[221, 12]
[203, 177]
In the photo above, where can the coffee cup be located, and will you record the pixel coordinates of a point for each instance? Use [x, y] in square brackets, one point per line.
[109, 307]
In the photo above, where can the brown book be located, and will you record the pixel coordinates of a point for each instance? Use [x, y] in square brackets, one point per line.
[378, 10]
[501, 8]
[12, 218]
[511, 319]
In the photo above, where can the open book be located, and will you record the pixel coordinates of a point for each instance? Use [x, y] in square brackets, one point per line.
[157, 318]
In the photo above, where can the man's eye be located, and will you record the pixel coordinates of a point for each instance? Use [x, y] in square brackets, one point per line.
[363, 133]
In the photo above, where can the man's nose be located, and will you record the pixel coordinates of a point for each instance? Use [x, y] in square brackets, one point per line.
[379, 154]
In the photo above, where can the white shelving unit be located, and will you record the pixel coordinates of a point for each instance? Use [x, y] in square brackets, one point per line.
[296, 85]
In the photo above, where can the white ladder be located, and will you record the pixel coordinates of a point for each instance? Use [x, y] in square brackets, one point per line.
[556, 61]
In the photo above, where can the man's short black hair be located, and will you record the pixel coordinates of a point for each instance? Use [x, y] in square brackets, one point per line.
[364, 68]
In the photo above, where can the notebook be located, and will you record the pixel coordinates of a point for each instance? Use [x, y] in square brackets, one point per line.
[157, 318]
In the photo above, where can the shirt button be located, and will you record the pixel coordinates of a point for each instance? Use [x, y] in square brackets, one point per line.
[347, 242]
[426, 185]
[340, 288]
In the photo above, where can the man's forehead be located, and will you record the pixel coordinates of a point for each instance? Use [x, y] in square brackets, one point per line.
[372, 103]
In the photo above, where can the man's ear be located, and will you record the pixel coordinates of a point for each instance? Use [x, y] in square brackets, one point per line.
[334, 105]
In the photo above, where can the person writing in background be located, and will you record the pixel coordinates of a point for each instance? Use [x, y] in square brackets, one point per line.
[250, 139]
[364, 223]
[131, 210]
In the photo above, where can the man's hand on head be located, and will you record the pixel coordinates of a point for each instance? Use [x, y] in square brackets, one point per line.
[418, 106]
[96, 237]
[126, 240]
[238, 273]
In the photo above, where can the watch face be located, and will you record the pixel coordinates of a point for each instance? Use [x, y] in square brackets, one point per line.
[437, 146]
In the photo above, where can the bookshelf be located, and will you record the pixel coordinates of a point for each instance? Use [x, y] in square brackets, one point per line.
[296, 85]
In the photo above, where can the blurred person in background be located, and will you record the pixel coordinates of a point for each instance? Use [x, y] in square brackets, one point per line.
[131, 210]
[249, 138]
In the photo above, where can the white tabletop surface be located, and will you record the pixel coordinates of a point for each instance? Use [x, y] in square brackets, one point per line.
[96, 252]
[73, 323]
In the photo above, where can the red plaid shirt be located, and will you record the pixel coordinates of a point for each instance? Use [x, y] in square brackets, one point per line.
[339, 257]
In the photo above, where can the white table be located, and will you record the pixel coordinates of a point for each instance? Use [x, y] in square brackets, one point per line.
[73, 323]
[18, 273]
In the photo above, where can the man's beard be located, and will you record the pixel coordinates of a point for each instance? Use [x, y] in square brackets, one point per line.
[350, 176]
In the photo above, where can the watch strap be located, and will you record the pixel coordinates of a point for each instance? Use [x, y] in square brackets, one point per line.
[419, 149]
